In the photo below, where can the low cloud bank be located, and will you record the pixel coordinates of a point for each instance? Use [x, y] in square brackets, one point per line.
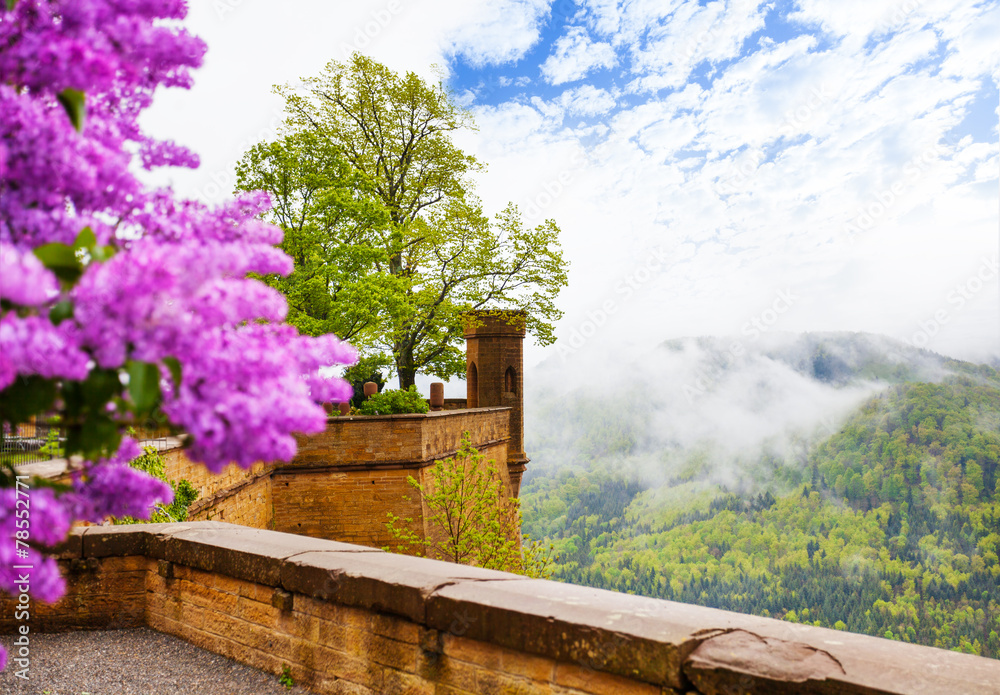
[714, 409]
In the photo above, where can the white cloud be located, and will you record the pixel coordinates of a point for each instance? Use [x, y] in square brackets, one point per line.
[586, 100]
[748, 179]
[575, 55]
[500, 31]
[668, 40]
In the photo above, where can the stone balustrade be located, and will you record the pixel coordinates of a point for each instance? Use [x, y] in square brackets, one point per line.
[353, 619]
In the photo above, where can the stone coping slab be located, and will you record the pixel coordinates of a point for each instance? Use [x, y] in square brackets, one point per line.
[661, 642]
[383, 582]
[418, 416]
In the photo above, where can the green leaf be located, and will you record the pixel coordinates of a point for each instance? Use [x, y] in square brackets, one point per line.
[174, 365]
[103, 253]
[143, 385]
[75, 103]
[98, 436]
[61, 260]
[86, 239]
[61, 311]
[92, 394]
[25, 397]
[10, 4]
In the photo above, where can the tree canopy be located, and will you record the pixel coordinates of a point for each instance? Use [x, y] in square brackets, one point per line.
[888, 527]
[391, 245]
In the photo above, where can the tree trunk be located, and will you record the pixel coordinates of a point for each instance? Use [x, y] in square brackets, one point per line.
[405, 368]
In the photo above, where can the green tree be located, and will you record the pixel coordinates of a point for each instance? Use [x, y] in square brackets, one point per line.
[332, 229]
[473, 519]
[417, 239]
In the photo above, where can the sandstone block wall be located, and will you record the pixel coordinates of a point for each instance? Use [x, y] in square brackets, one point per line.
[208, 484]
[350, 619]
[249, 503]
[384, 441]
[347, 479]
[348, 506]
[344, 482]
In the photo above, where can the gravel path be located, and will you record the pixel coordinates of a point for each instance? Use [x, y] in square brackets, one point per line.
[132, 662]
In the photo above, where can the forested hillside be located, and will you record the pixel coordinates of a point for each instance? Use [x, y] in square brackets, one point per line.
[889, 525]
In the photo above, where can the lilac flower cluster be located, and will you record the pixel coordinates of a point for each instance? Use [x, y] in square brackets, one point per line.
[152, 279]
[32, 345]
[23, 278]
[49, 523]
[110, 487]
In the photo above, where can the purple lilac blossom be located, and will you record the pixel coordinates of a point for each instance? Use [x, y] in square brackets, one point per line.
[177, 285]
[110, 487]
[47, 524]
[23, 278]
[33, 346]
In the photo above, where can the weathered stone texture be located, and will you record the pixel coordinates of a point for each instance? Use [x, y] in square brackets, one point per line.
[351, 619]
[249, 503]
[392, 440]
[349, 506]
[346, 480]
[494, 355]
[106, 593]
[236, 495]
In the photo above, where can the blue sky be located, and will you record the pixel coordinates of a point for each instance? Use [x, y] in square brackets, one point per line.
[492, 83]
[702, 159]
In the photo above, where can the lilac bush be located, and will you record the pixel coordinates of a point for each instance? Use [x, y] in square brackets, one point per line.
[118, 300]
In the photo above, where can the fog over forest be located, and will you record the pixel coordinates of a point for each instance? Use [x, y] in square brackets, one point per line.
[726, 401]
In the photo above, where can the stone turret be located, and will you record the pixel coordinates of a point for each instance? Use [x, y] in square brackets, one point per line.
[494, 366]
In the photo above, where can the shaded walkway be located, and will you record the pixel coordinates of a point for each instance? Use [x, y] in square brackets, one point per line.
[135, 661]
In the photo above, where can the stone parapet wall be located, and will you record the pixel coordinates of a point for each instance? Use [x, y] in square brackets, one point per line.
[347, 479]
[386, 441]
[349, 506]
[248, 503]
[213, 488]
[350, 619]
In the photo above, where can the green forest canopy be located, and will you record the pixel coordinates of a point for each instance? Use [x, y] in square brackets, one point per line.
[892, 527]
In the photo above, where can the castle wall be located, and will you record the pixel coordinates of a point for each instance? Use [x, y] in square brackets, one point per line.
[208, 484]
[345, 480]
[383, 441]
[350, 619]
[249, 504]
[347, 506]
[237, 495]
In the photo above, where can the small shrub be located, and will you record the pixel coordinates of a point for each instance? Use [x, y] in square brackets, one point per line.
[473, 520]
[53, 446]
[367, 369]
[184, 493]
[395, 402]
[286, 676]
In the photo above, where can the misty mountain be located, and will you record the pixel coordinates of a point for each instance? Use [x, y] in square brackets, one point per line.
[842, 480]
[711, 404]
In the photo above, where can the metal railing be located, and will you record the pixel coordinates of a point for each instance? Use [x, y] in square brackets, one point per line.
[43, 441]
[30, 442]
